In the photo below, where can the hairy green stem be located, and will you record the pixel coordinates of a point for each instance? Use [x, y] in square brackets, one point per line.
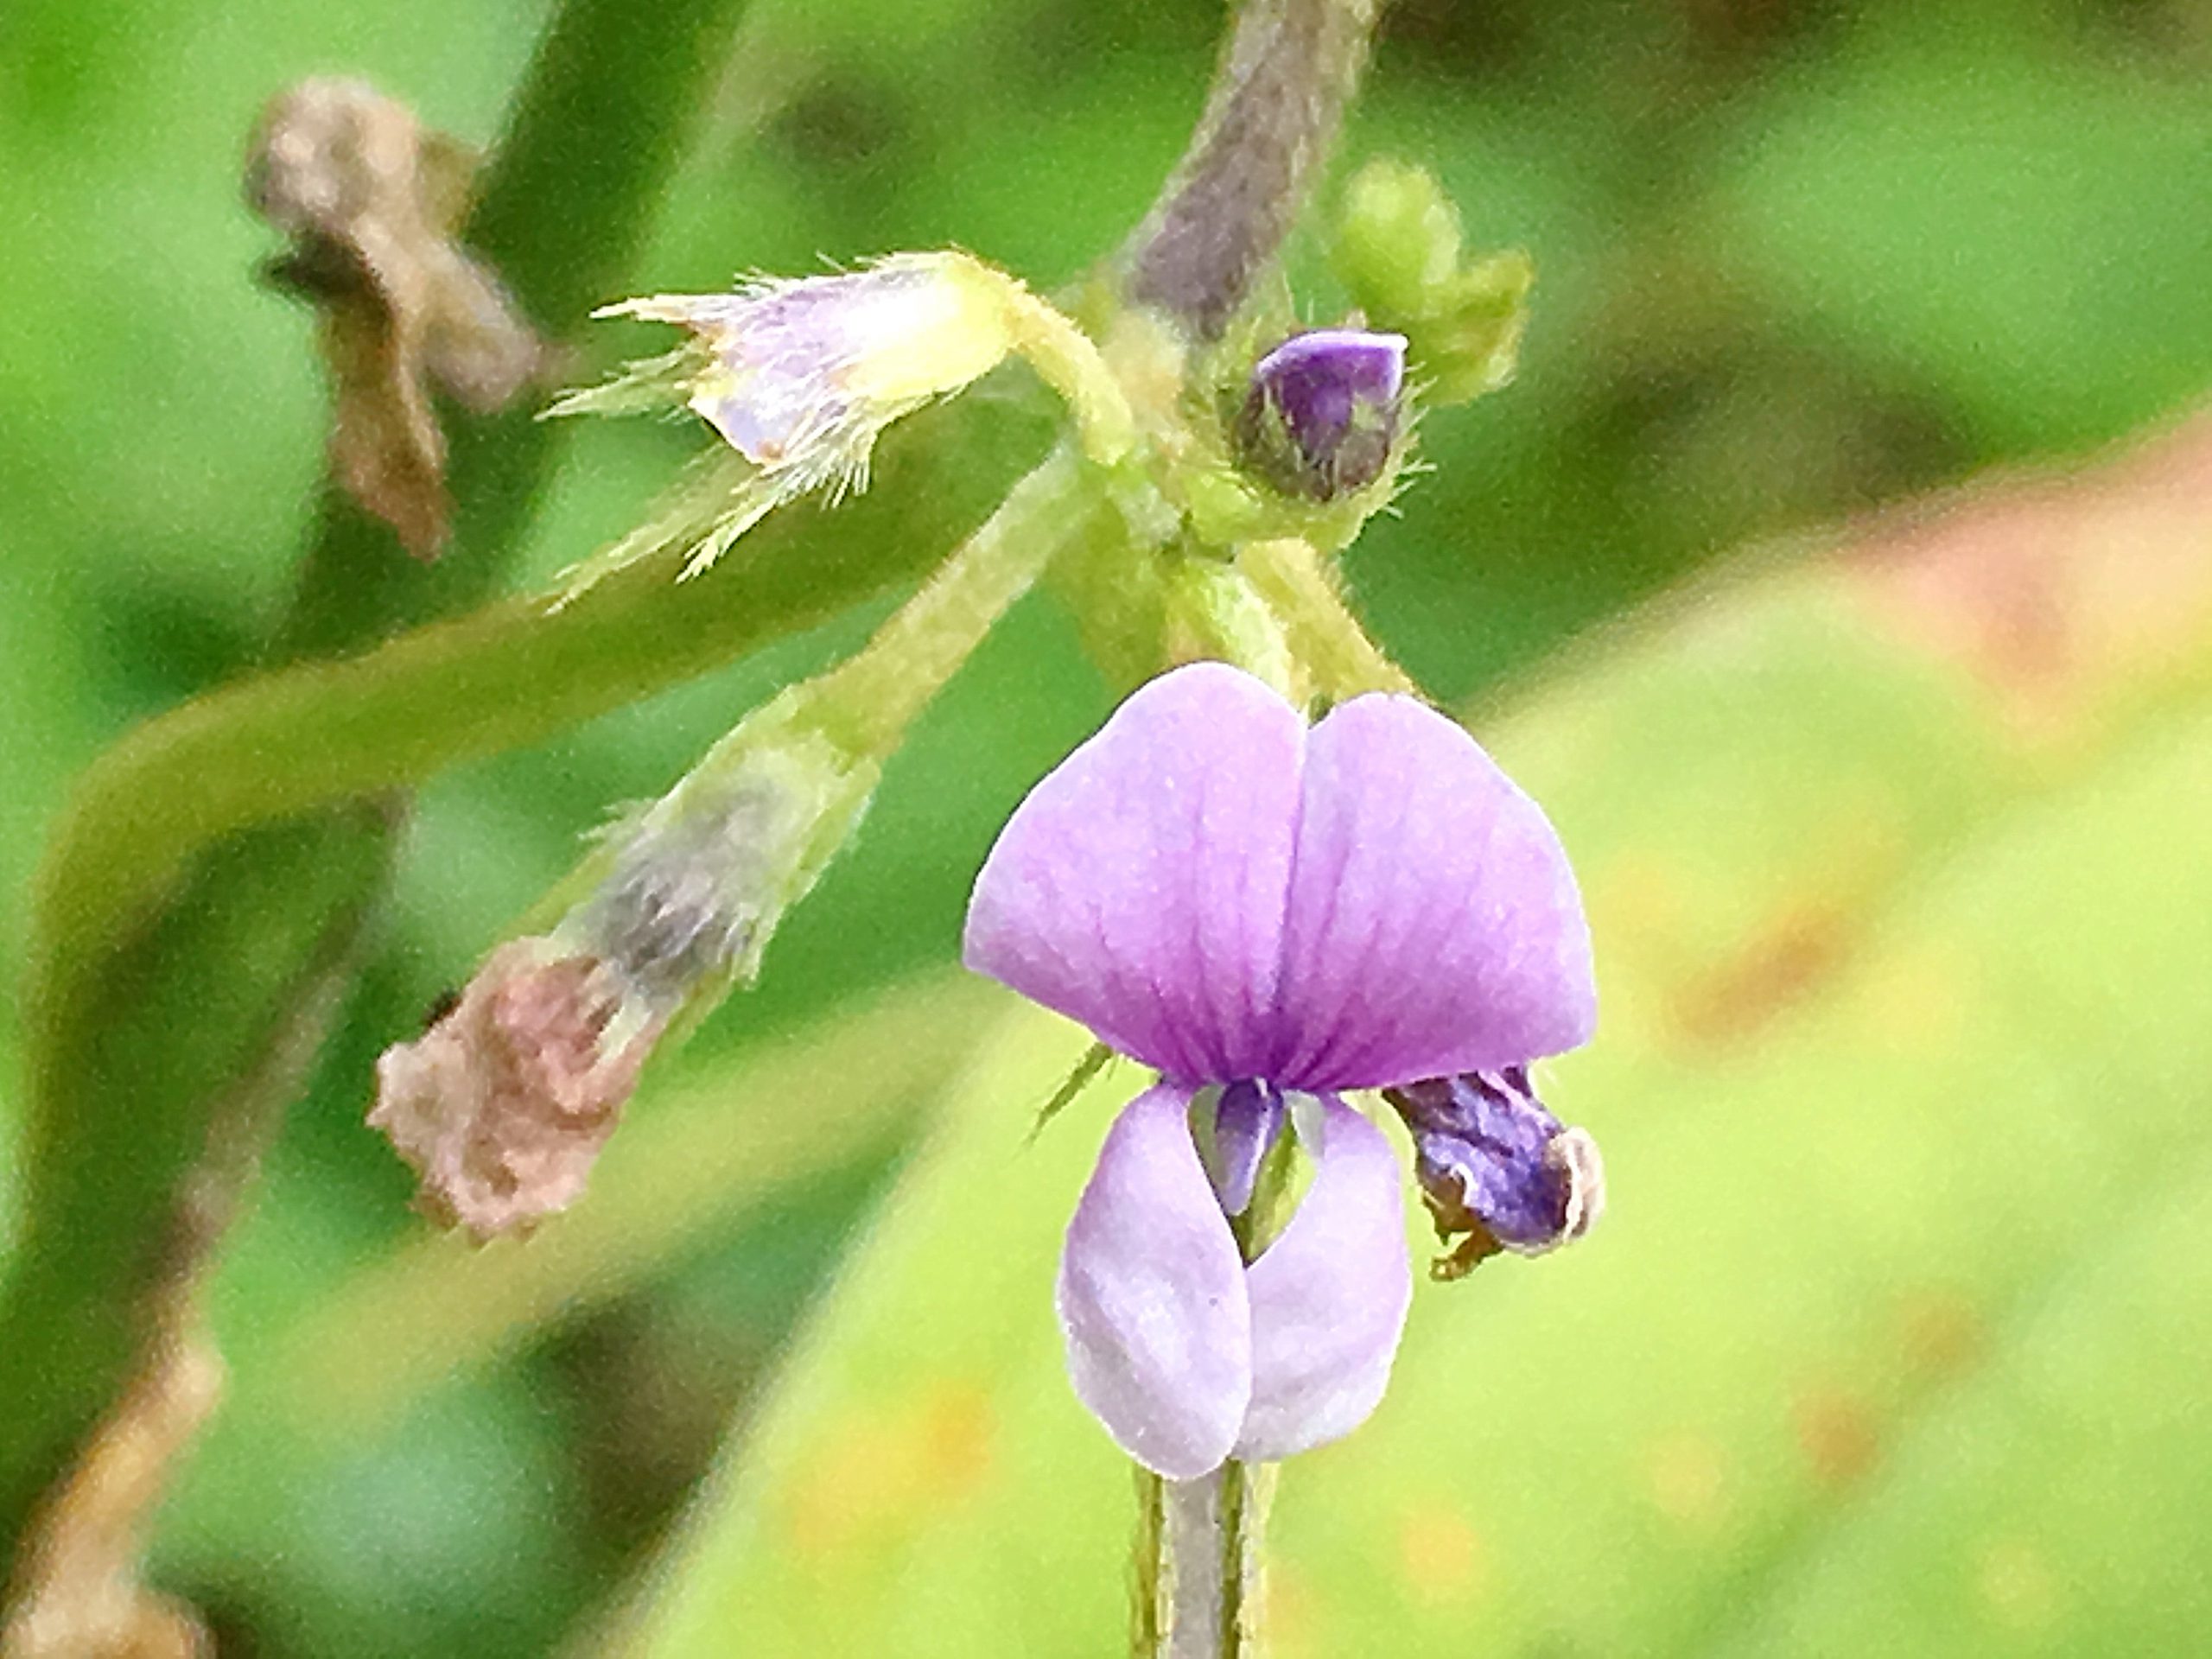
[186, 990]
[745, 834]
[1288, 71]
[874, 696]
[1326, 638]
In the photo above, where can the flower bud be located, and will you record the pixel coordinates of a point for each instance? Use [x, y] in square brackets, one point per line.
[1473, 345]
[1498, 1170]
[1398, 241]
[1321, 419]
[1398, 251]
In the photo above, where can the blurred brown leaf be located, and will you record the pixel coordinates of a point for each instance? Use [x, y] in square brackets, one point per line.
[2061, 590]
[373, 200]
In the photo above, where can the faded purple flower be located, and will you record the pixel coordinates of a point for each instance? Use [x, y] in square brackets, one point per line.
[1322, 416]
[800, 378]
[1281, 915]
[1498, 1170]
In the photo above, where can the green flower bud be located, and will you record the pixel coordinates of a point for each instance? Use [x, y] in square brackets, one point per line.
[1398, 242]
[1398, 249]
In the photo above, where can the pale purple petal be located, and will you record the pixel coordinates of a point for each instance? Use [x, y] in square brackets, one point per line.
[1152, 1296]
[1141, 887]
[1434, 926]
[1329, 1297]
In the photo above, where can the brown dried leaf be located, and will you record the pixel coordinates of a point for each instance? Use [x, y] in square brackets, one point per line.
[371, 201]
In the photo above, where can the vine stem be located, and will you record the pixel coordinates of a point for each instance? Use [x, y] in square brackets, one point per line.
[1288, 71]
[1326, 639]
[871, 699]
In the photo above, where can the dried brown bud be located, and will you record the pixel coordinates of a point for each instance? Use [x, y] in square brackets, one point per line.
[371, 201]
[502, 1106]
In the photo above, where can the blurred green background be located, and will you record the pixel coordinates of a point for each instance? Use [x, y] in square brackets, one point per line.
[1898, 1338]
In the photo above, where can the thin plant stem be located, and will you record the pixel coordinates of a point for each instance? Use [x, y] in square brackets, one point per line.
[1200, 1577]
[846, 723]
[1326, 638]
[870, 700]
[1199, 1582]
[1148, 1616]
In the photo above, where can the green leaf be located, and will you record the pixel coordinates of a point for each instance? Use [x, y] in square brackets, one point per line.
[2011, 212]
[135, 1145]
[2095, 1400]
[1900, 1079]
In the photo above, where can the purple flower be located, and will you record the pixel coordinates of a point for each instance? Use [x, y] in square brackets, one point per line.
[1278, 914]
[1322, 414]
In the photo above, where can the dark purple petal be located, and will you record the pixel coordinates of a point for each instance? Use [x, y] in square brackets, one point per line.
[1152, 1296]
[1140, 888]
[1321, 418]
[1320, 380]
[1434, 926]
[1245, 1124]
[1329, 1297]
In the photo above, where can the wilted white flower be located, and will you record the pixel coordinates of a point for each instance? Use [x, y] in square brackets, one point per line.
[800, 376]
